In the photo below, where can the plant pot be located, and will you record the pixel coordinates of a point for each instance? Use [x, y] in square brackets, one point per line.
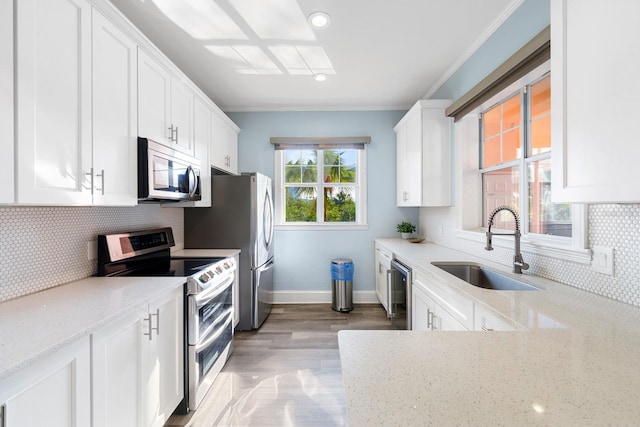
[406, 235]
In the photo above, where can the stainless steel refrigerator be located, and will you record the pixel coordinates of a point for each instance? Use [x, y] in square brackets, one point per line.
[240, 217]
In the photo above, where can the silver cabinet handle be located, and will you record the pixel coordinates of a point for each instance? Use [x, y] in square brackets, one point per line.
[149, 332]
[433, 322]
[405, 195]
[176, 140]
[173, 130]
[101, 175]
[390, 312]
[90, 174]
[157, 328]
[429, 319]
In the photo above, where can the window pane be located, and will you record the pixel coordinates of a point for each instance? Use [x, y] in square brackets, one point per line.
[491, 122]
[340, 165]
[491, 152]
[541, 98]
[300, 166]
[301, 204]
[541, 116]
[511, 113]
[339, 204]
[511, 145]
[546, 217]
[541, 135]
[501, 187]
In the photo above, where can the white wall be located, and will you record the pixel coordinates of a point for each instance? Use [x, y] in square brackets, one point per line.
[303, 258]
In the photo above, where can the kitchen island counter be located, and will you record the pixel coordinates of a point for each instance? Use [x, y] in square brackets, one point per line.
[576, 362]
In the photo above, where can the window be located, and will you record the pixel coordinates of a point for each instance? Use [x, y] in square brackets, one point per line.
[515, 162]
[320, 185]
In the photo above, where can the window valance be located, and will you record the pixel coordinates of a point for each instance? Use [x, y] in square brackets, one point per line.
[320, 143]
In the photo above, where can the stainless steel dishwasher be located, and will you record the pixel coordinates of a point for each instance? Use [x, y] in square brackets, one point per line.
[399, 279]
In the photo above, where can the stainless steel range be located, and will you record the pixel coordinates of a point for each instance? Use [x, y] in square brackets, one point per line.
[208, 322]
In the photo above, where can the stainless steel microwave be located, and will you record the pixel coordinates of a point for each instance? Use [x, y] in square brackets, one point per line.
[166, 175]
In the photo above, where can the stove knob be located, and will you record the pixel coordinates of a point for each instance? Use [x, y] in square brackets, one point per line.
[219, 269]
[203, 278]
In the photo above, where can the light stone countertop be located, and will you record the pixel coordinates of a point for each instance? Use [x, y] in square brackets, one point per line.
[204, 253]
[36, 325]
[577, 364]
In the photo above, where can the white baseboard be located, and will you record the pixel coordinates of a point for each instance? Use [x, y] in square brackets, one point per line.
[320, 297]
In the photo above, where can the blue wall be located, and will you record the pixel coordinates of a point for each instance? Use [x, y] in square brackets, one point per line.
[523, 24]
[303, 258]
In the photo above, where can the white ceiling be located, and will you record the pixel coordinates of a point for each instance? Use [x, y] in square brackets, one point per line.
[257, 55]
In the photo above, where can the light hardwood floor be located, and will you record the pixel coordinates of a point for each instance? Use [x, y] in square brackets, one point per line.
[287, 373]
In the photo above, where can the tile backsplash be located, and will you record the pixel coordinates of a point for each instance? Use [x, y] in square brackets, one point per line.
[610, 225]
[42, 247]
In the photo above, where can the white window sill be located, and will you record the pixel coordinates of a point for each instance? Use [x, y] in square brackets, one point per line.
[532, 246]
[318, 227]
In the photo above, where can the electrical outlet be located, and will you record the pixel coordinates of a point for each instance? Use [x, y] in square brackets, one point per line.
[92, 250]
[602, 260]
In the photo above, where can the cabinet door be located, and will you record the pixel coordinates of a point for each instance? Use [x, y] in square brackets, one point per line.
[409, 159]
[53, 69]
[383, 265]
[116, 357]
[443, 321]
[154, 97]
[54, 392]
[423, 310]
[202, 138]
[224, 153]
[162, 359]
[594, 83]
[6, 101]
[114, 115]
[182, 117]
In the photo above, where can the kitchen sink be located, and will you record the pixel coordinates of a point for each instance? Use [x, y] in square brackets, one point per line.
[482, 277]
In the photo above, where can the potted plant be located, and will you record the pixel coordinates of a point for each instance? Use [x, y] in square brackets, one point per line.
[406, 229]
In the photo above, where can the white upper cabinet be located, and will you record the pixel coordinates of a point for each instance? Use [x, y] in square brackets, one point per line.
[53, 91]
[114, 115]
[202, 116]
[224, 152]
[6, 100]
[424, 155]
[165, 106]
[154, 100]
[594, 85]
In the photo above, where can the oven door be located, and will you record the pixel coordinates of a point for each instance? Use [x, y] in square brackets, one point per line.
[207, 309]
[207, 358]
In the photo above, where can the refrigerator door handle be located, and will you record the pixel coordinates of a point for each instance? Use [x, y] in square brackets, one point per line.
[267, 222]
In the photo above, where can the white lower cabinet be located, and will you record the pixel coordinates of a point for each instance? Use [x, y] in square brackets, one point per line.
[53, 392]
[429, 316]
[137, 365]
[383, 264]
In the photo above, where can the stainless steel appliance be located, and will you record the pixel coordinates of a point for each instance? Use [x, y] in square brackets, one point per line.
[166, 175]
[399, 279]
[240, 217]
[208, 302]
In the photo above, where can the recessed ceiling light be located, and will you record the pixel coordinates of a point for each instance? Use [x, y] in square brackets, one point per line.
[319, 77]
[319, 20]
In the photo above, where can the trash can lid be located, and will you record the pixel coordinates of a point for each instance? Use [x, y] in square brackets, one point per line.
[341, 261]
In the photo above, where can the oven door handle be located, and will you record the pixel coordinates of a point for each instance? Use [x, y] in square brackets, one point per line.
[210, 294]
[207, 342]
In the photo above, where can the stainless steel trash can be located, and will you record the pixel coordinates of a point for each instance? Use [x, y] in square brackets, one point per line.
[342, 284]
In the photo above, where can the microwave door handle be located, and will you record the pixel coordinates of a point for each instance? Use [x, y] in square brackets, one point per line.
[193, 181]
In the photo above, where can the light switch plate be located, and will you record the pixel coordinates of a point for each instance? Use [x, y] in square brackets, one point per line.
[602, 260]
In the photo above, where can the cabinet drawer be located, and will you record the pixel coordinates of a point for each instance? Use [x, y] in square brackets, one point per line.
[486, 319]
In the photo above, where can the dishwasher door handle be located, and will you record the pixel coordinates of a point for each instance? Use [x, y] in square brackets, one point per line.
[390, 310]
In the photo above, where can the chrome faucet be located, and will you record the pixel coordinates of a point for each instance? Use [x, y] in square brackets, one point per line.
[518, 262]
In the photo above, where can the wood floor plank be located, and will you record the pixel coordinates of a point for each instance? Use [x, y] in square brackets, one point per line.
[287, 373]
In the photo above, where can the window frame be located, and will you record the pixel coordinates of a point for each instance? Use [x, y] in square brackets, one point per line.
[360, 184]
[568, 248]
